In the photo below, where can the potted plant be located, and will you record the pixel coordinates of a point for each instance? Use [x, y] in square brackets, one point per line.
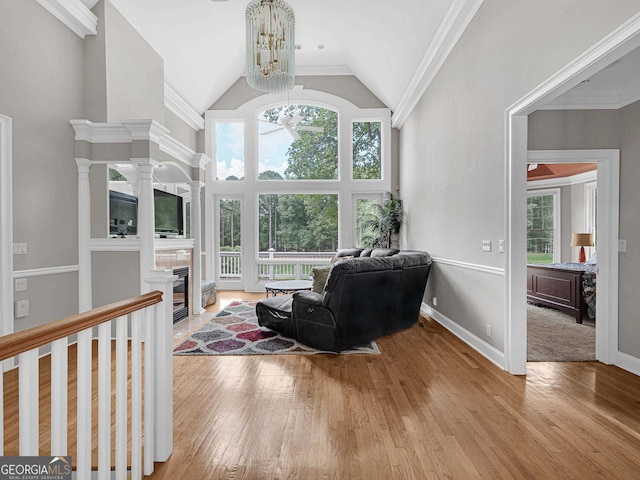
[384, 228]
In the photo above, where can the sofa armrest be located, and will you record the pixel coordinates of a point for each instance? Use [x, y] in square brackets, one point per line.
[315, 325]
[311, 298]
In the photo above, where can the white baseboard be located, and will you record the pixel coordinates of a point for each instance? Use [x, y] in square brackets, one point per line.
[628, 363]
[623, 360]
[491, 353]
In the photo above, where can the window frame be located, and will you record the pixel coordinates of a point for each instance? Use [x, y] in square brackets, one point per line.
[250, 189]
[557, 218]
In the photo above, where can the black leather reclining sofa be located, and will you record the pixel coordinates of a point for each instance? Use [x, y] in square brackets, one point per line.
[368, 294]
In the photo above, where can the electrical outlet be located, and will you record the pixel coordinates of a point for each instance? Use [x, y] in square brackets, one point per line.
[434, 300]
[21, 284]
[501, 246]
[488, 330]
[486, 245]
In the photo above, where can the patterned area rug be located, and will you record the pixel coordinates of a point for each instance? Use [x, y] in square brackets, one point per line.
[235, 331]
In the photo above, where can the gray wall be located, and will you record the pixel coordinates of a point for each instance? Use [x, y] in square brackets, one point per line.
[135, 72]
[452, 147]
[114, 276]
[619, 129]
[41, 85]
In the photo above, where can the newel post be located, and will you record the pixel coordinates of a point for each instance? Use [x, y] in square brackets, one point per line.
[163, 363]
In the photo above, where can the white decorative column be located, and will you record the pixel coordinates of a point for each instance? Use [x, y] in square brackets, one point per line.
[145, 220]
[85, 301]
[196, 274]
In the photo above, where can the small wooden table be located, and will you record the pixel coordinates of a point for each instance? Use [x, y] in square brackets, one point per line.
[287, 286]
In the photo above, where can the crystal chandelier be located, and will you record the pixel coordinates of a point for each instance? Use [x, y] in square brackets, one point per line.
[270, 46]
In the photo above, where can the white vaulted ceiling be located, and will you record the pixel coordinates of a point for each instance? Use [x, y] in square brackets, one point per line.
[392, 47]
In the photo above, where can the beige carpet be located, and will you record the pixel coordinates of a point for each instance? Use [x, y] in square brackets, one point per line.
[553, 336]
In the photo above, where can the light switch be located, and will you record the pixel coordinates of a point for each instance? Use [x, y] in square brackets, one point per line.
[19, 248]
[622, 245]
[22, 308]
[486, 245]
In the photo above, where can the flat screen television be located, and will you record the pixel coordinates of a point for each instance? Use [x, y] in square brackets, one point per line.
[123, 214]
[169, 218]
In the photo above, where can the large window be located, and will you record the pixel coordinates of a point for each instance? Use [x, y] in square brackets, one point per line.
[311, 165]
[298, 222]
[367, 150]
[543, 227]
[298, 142]
[230, 150]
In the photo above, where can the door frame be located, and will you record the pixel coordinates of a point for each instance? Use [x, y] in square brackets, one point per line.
[614, 46]
[6, 226]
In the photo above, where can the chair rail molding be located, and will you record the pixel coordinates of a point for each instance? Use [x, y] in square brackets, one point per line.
[74, 14]
[6, 226]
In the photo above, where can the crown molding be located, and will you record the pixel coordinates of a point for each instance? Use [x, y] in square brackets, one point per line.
[454, 24]
[74, 14]
[174, 102]
[601, 98]
[130, 130]
[576, 179]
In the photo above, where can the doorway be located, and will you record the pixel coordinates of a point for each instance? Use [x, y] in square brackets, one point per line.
[561, 291]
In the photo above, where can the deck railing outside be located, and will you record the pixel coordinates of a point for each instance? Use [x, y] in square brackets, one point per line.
[143, 320]
[274, 265]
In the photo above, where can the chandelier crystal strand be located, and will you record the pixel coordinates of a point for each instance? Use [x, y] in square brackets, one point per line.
[270, 46]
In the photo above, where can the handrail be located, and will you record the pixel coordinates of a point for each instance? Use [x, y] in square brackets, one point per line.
[25, 340]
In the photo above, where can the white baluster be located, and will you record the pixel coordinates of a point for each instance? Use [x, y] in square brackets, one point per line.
[136, 395]
[29, 410]
[59, 383]
[149, 397]
[121, 397]
[83, 455]
[104, 401]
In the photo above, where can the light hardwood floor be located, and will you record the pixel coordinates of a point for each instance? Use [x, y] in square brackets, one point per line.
[428, 407]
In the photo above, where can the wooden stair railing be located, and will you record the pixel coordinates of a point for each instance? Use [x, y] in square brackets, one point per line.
[145, 319]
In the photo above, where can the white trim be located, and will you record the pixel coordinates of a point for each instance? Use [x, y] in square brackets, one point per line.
[458, 17]
[189, 115]
[74, 14]
[469, 266]
[146, 130]
[174, 243]
[6, 226]
[114, 245]
[39, 272]
[488, 351]
[628, 363]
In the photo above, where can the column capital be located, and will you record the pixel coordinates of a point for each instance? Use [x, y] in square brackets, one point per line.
[84, 165]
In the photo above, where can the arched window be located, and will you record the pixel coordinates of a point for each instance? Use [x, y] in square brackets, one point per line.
[304, 166]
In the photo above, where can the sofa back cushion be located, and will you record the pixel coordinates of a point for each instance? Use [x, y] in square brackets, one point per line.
[364, 294]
